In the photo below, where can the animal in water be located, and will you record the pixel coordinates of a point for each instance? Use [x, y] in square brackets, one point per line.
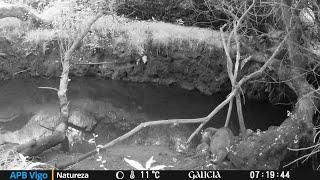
[216, 142]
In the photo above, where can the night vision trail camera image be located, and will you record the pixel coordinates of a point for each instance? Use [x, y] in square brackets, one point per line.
[141, 86]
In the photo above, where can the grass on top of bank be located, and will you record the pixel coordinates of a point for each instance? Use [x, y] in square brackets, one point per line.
[120, 33]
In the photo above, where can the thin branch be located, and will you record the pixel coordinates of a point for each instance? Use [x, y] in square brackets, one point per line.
[92, 63]
[229, 113]
[233, 75]
[227, 52]
[301, 158]
[244, 14]
[21, 71]
[217, 109]
[305, 148]
[240, 114]
[51, 88]
[264, 67]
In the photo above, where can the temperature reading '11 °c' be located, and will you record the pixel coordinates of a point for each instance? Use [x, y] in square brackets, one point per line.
[147, 174]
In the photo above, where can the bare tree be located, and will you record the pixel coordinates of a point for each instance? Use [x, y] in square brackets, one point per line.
[35, 147]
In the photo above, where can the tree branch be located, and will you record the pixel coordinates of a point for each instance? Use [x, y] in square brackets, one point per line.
[51, 88]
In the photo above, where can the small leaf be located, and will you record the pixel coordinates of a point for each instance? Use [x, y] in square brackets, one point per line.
[149, 162]
[134, 164]
[91, 141]
[104, 161]
[98, 159]
[23, 158]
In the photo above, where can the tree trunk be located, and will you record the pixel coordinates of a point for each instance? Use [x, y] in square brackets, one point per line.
[36, 147]
[305, 106]
[267, 150]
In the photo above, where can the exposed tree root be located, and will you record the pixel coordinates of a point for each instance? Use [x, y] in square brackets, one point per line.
[269, 148]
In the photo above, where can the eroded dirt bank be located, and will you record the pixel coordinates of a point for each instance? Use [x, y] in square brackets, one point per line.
[191, 64]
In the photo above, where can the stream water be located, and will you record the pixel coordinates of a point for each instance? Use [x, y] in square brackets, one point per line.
[156, 102]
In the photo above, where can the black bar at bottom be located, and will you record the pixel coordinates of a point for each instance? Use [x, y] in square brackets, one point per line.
[154, 175]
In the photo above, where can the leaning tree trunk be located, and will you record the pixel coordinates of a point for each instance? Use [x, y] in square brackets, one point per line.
[268, 149]
[305, 107]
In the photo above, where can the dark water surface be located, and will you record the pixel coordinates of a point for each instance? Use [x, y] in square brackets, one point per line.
[156, 102]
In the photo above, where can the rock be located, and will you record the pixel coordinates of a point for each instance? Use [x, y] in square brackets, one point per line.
[40, 125]
[81, 119]
[98, 109]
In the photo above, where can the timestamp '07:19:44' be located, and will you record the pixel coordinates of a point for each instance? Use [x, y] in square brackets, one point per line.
[269, 174]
